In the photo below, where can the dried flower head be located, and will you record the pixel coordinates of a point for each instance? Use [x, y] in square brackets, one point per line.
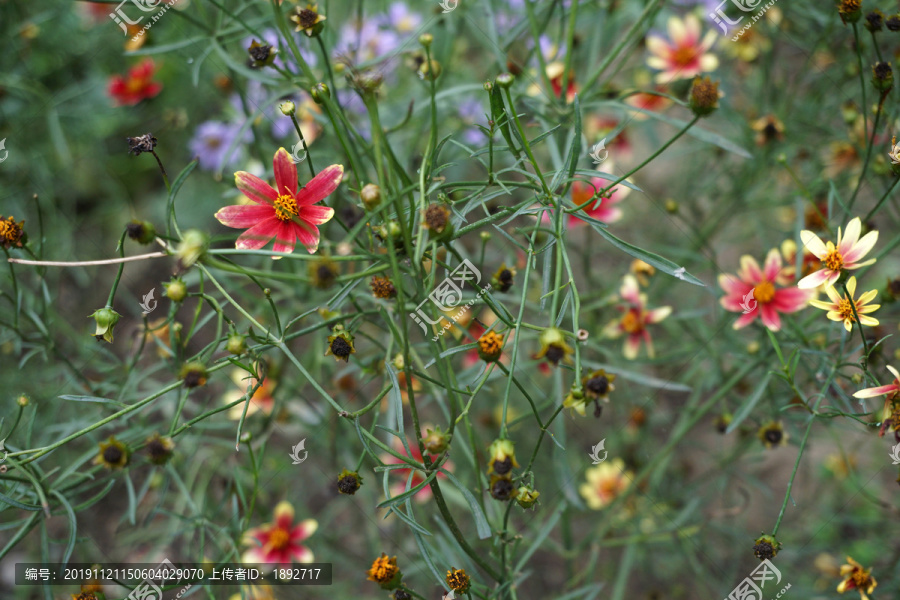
[874, 20]
[370, 196]
[308, 20]
[340, 344]
[766, 547]
[704, 97]
[261, 55]
[504, 278]
[437, 218]
[490, 346]
[142, 232]
[11, 233]
[882, 76]
[323, 273]
[502, 457]
[113, 454]
[527, 497]
[768, 129]
[772, 434]
[850, 11]
[141, 143]
[194, 374]
[553, 346]
[458, 580]
[382, 287]
[349, 482]
[159, 449]
[384, 572]
[893, 22]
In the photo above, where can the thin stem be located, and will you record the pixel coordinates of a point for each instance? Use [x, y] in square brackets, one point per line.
[787, 495]
[88, 263]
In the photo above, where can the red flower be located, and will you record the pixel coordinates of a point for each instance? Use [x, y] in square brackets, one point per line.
[279, 542]
[283, 212]
[137, 86]
[402, 475]
[753, 292]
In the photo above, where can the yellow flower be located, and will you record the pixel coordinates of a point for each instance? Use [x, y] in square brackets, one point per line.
[605, 483]
[772, 434]
[841, 309]
[384, 572]
[845, 255]
[458, 580]
[855, 577]
[113, 454]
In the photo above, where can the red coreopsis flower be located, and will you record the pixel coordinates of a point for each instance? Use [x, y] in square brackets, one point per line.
[754, 292]
[402, 475]
[284, 212]
[602, 209]
[136, 86]
[635, 319]
[279, 542]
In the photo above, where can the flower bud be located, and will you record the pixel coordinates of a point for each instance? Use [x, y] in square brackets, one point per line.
[882, 77]
[704, 97]
[527, 497]
[236, 344]
[431, 72]
[176, 290]
[23, 400]
[488, 86]
[850, 11]
[425, 39]
[671, 206]
[505, 80]
[106, 319]
[288, 108]
[370, 196]
[142, 232]
[319, 92]
[436, 441]
[193, 246]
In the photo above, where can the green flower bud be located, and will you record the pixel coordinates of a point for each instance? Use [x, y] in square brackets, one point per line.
[319, 92]
[193, 246]
[288, 108]
[176, 290]
[236, 344]
[142, 232]
[505, 80]
[106, 319]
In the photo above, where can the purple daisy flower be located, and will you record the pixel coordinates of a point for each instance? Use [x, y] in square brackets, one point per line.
[212, 140]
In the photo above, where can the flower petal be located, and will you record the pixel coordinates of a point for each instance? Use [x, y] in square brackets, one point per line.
[893, 371]
[321, 185]
[750, 271]
[632, 347]
[255, 188]
[285, 172]
[770, 317]
[850, 237]
[658, 314]
[772, 265]
[258, 236]
[317, 215]
[861, 248]
[308, 235]
[284, 514]
[304, 530]
[243, 216]
[745, 319]
[790, 300]
[814, 280]
[876, 391]
[813, 243]
[285, 238]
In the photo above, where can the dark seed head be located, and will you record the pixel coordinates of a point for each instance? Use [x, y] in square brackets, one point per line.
[764, 550]
[194, 379]
[774, 436]
[348, 484]
[598, 385]
[502, 467]
[340, 347]
[401, 595]
[307, 18]
[893, 23]
[555, 354]
[505, 279]
[502, 489]
[112, 455]
[141, 143]
[260, 54]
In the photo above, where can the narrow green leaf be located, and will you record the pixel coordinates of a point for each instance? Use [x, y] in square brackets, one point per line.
[748, 405]
[93, 399]
[549, 524]
[481, 524]
[663, 264]
[73, 527]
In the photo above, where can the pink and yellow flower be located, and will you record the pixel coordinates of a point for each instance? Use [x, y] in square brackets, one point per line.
[261, 401]
[285, 212]
[856, 578]
[754, 292]
[846, 254]
[402, 475]
[280, 542]
[635, 319]
[841, 308]
[891, 413]
[603, 209]
[604, 483]
[684, 55]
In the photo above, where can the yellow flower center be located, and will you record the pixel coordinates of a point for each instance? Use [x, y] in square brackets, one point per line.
[608, 488]
[279, 539]
[631, 322]
[285, 207]
[764, 292]
[833, 260]
[846, 310]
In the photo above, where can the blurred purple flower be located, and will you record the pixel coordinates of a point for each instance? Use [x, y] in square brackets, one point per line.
[351, 102]
[363, 43]
[212, 140]
[471, 110]
[400, 18]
